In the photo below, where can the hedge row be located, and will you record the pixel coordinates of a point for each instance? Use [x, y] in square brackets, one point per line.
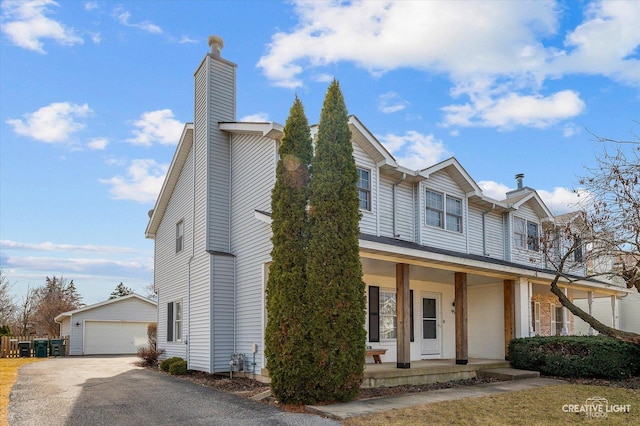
[576, 356]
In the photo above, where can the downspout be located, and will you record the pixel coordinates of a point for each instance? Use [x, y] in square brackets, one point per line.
[484, 229]
[393, 190]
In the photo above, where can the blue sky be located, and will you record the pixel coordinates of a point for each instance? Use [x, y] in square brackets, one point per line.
[94, 95]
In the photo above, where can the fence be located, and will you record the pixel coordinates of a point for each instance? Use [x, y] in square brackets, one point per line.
[9, 345]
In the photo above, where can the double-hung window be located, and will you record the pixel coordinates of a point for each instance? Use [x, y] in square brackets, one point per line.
[179, 236]
[174, 321]
[443, 211]
[364, 189]
[525, 234]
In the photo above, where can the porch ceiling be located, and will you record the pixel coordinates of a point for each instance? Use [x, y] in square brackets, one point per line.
[388, 269]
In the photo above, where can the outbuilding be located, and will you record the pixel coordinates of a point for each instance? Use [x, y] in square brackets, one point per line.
[115, 326]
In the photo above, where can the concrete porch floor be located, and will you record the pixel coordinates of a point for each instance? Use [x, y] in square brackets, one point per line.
[426, 371]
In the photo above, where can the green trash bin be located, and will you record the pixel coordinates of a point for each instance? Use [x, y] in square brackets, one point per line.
[40, 347]
[56, 347]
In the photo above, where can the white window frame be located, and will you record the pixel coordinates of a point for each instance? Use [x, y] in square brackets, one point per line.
[362, 190]
[180, 236]
[444, 213]
[521, 237]
[555, 321]
[536, 317]
[388, 317]
[174, 321]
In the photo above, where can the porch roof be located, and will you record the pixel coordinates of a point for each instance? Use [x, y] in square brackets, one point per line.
[381, 247]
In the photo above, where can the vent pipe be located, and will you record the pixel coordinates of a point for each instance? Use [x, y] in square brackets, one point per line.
[216, 43]
[519, 178]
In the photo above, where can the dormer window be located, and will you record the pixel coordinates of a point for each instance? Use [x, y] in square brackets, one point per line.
[525, 234]
[443, 211]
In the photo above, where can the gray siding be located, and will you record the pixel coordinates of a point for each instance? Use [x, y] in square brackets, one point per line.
[172, 269]
[437, 237]
[253, 177]
[221, 107]
[222, 311]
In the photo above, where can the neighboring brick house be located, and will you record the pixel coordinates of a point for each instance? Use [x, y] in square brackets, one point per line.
[460, 269]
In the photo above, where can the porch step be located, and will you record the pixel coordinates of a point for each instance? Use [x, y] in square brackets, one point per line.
[508, 373]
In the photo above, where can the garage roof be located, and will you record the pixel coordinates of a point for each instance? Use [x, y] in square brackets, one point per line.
[106, 302]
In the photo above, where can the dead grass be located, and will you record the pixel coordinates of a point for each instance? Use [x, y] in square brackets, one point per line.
[8, 375]
[540, 406]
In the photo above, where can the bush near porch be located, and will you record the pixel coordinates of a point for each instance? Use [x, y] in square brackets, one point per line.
[576, 356]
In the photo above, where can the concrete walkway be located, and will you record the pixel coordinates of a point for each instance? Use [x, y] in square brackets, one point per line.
[363, 407]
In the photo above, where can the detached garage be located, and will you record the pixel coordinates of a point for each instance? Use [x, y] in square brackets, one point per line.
[114, 327]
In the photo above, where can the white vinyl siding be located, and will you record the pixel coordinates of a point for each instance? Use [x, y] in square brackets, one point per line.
[222, 309]
[436, 236]
[369, 221]
[521, 251]
[253, 177]
[404, 209]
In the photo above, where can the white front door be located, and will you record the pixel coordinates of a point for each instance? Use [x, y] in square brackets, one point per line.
[431, 324]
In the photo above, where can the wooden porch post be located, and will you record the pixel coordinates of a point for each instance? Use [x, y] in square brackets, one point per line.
[509, 314]
[462, 332]
[403, 310]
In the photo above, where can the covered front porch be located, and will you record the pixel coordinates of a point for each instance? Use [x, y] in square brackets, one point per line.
[426, 371]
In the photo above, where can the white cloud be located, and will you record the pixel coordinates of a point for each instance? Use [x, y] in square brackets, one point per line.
[156, 126]
[98, 143]
[500, 70]
[562, 200]
[390, 102]
[570, 129]
[186, 39]
[142, 184]
[26, 24]
[123, 17]
[258, 117]
[90, 5]
[381, 36]
[415, 150]
[494, 190]
[515, 110]
[49, 246]
[53, 123]
[559, 201]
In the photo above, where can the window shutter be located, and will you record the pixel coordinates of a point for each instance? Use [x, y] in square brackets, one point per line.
[170, 322]
[374, 314]
[411, 312]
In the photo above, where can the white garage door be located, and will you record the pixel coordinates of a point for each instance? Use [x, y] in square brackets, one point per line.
[114, 337]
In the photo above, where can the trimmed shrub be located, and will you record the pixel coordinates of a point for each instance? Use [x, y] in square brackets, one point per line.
[166, 364]
[576, 356]
[178, 368]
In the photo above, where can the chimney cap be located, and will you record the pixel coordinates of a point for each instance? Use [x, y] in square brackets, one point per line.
[519, 175]
[216, 44]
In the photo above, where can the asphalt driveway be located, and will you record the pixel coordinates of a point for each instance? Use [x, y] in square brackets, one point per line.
[114, 391]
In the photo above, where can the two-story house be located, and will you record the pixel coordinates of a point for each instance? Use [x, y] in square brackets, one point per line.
[463, 273]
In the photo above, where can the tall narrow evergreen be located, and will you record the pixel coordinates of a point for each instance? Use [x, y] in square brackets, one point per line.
[336, 292]
[286, 340]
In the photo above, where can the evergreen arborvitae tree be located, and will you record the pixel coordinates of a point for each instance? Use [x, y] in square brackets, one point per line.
[286, 338]
[336, 292]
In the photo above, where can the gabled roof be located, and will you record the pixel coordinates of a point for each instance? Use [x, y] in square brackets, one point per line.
[539, 207]
[170, 181]
[106, 302]
[266, 129]
[363, 137]
[453, 167]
